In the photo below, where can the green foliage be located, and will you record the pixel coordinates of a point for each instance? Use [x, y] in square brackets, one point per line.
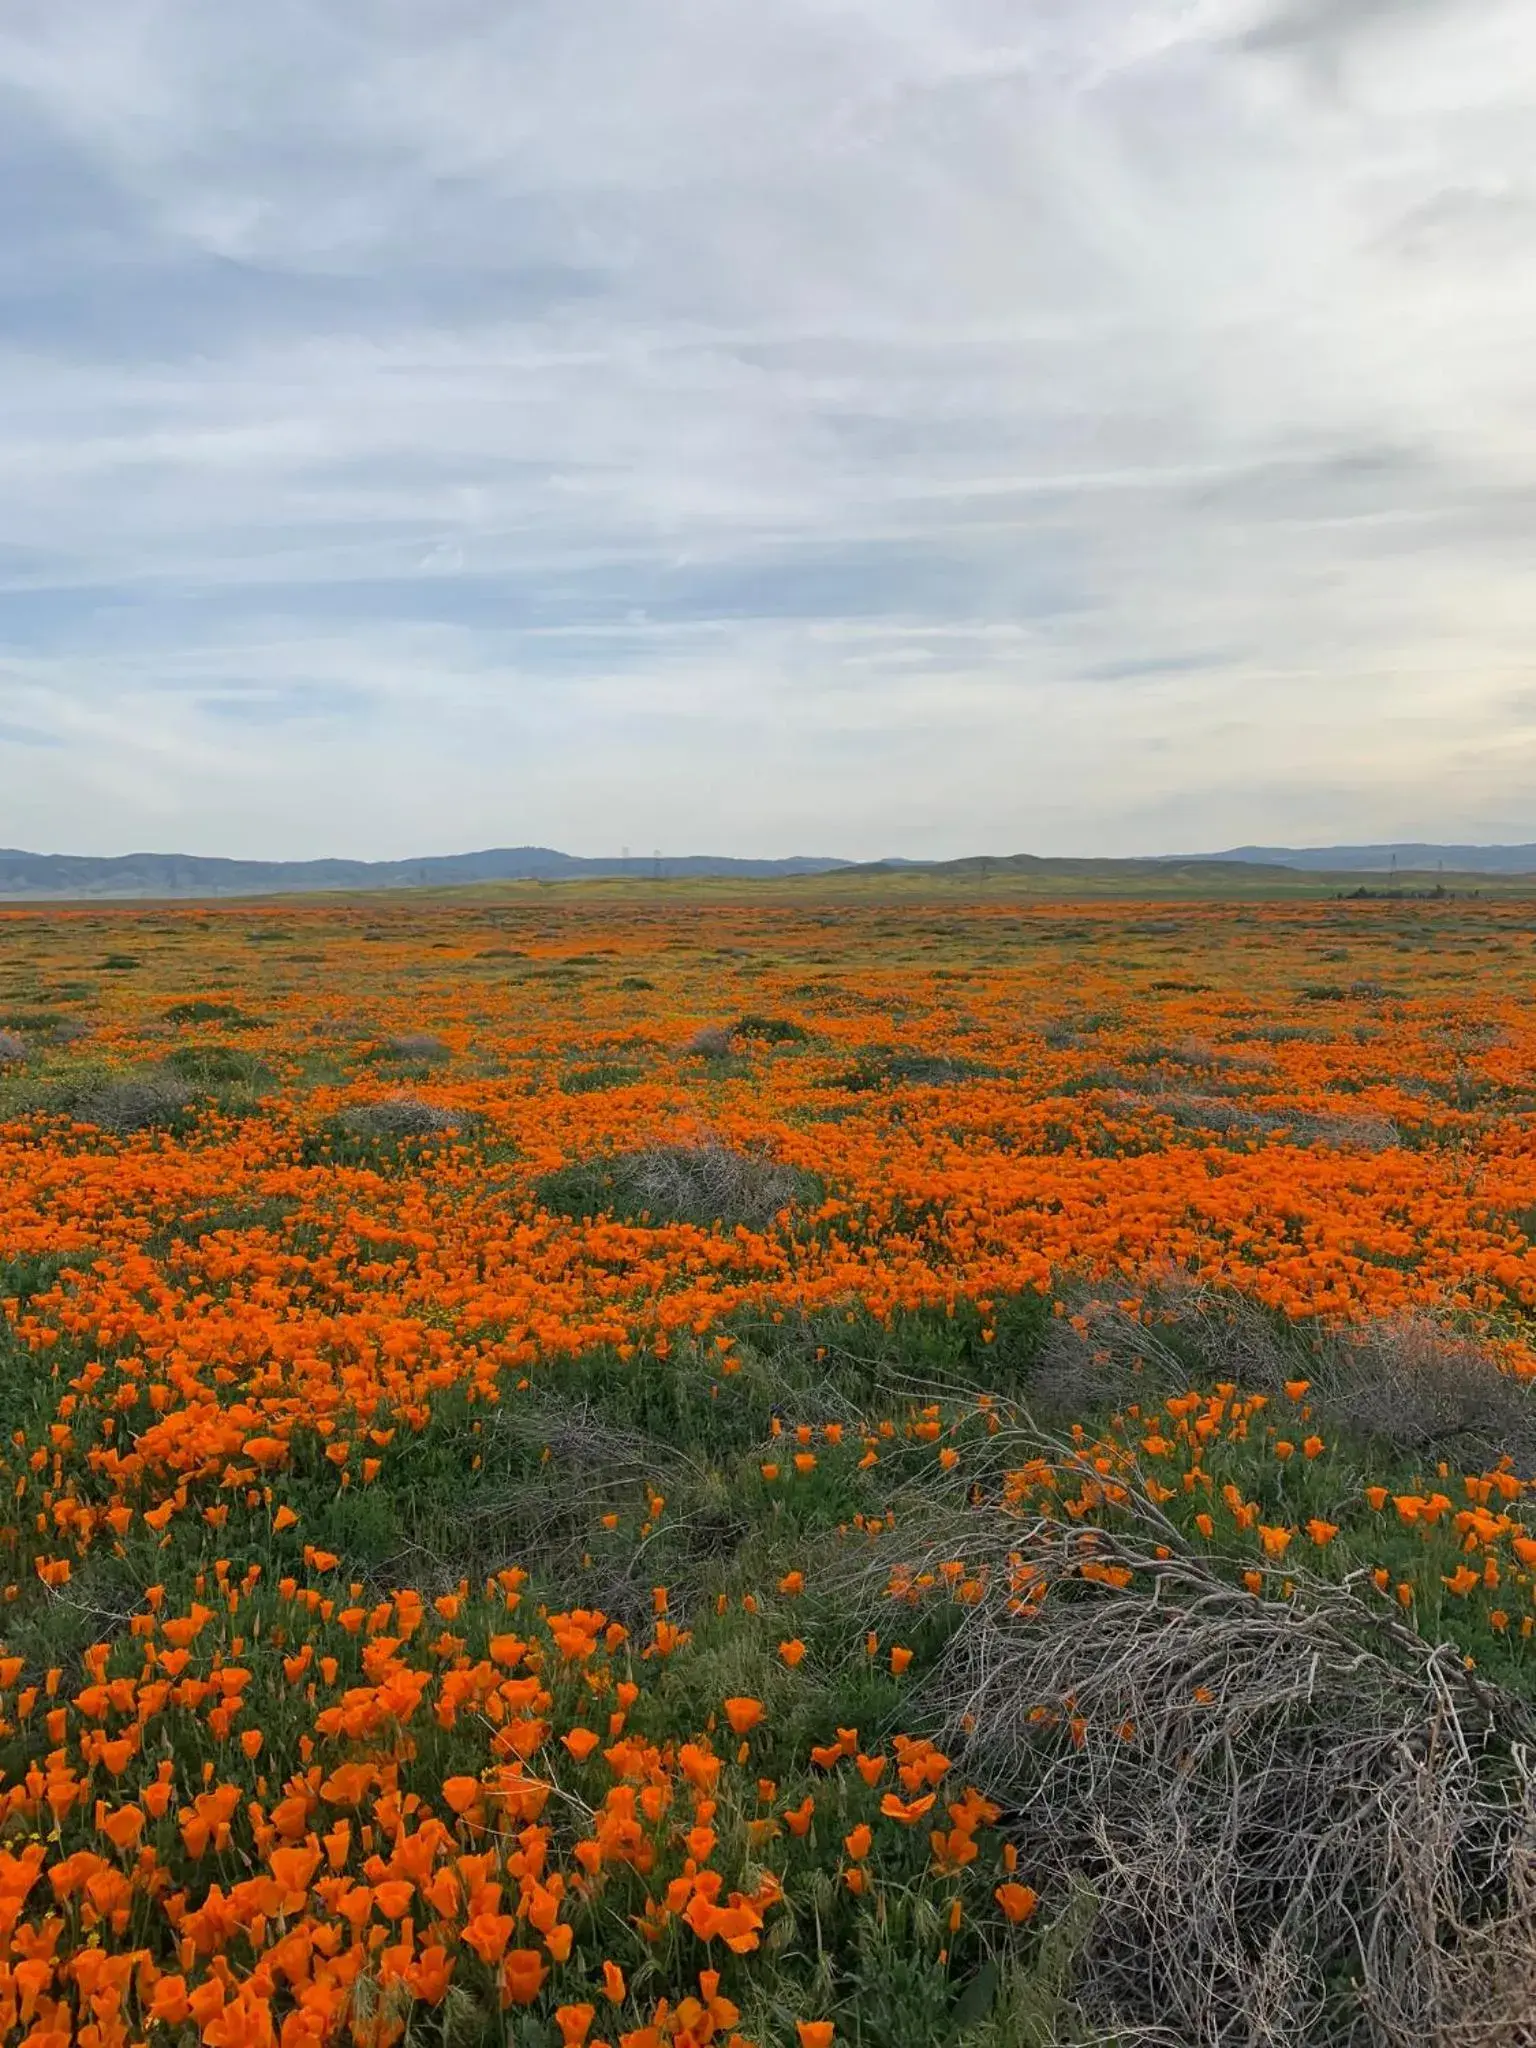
[351, 1140]
[881, 1067]
[204, 1010]
[214, 1066]
[234, 1217]
[584, 1189]
[149, 1098]
[594, 1079]
[614, 1474]
[32, 1273]
[772, 1030]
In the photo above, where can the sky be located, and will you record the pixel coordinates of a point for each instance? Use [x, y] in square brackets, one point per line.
[832, 427]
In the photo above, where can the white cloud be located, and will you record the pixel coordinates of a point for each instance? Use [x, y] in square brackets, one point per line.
[923, 427]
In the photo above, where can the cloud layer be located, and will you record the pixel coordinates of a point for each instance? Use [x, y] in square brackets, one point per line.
[934, 426]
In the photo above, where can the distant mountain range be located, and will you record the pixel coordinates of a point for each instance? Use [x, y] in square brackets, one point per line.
[1411, 855]
[1418, 860]
[67, 876]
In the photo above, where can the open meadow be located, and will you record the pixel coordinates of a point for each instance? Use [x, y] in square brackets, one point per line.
[787, 1465]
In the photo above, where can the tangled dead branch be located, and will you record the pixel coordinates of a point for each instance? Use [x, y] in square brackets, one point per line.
[398, 1116]
[1409, 1381]
[711, 1180]
[704, 1183]
[1301, 1822]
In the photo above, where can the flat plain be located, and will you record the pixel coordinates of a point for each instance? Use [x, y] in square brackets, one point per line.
[819, 1463]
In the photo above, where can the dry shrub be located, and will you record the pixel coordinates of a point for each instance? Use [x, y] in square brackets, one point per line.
[1227, 1113]
[1423, 1388]
[1490, 1997]
[1408, 1382]
[1187, 1052]
[416, 1045]
[705, 1183]
[1300, 1822]
[149, 1100]
[710, 1183]
[567, 1465]
[1365, 1133]
[12, 1046]
[1218, 1113]
[710, 1042]
[400, 1116]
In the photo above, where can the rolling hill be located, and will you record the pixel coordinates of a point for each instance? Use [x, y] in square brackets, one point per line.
[66, 875]
[1419, 856]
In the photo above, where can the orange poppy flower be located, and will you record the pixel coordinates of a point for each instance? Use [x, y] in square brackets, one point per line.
[894, 1807]
[522, 1976]
[1018, 1901]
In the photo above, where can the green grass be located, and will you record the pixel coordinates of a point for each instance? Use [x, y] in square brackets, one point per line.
[611, 1476]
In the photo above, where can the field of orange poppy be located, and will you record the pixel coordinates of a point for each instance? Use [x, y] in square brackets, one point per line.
[577, 1461]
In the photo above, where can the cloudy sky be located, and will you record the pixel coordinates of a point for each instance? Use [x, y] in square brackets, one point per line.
[828, 426]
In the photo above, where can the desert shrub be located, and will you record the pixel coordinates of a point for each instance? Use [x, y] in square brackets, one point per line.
[710, 1042]
[547, 1469]
[1225, 1114]
[149, 1098]
[422, 1047]
[161, 1097]
[1421, 1388]
[1406, 1384]
[880, 1067]
[1067, 1034]
[13, 1046]
[702, 1184]
[592, 1080]
[772, 1030]
[387, 1136]
[398, 1116]
[204, 1010]
[1288, 1813]
[1188, 1052]
[635, 982]
[219, 1066]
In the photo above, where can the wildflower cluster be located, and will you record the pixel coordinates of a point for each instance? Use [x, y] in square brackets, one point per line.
[466, 1564]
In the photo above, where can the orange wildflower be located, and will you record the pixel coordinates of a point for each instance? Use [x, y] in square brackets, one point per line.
[1018, 1901]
